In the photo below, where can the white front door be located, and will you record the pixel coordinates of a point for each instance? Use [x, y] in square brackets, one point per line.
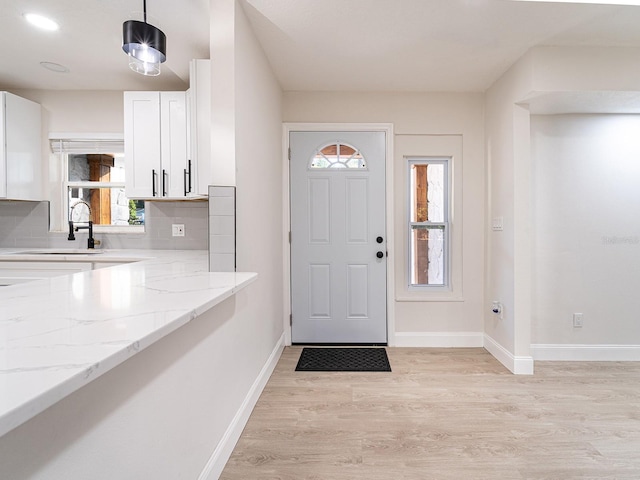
[338, 244]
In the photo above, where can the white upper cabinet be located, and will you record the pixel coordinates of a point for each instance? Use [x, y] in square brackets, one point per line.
[199, 97]
[167, 139]
[156, 145]
[174, 144]
[20, 148]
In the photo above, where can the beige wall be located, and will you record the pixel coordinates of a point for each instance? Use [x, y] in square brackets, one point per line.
[427, 116]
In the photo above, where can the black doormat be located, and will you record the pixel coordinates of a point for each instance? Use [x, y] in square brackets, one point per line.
[343, 360]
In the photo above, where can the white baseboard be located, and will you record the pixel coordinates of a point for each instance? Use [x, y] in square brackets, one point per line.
[519, 365]
[221, 454]
[439, 339]
[586, 353]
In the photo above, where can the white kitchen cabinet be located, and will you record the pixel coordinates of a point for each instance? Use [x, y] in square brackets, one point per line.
[20, 148]
[199, 102]
[156, 145]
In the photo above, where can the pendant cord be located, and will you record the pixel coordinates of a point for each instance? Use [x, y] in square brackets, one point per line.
[144, 8]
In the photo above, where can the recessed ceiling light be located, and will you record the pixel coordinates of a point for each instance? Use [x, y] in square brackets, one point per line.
[41, 22]
[55, 67]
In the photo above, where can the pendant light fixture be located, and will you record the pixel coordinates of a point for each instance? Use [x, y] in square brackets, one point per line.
[145, 44]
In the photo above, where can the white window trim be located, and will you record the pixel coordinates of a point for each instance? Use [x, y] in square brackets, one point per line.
[434, 146]
[59, 223]
[425, 160]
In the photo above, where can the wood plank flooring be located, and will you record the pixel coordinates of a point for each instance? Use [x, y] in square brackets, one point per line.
[444, 414]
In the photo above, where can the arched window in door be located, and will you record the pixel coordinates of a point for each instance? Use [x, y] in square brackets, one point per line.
[338, 155]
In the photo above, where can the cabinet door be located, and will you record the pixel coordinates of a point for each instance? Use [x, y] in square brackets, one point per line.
[3, 156]
[173, 142]
[21, 164]
[200, 128]
[142, 144]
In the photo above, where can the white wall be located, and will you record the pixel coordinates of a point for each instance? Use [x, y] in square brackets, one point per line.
[159, 415]
[603, 77]
[223, 73]
[81, 111]
[582, 69]
[586, 172]
[258, 160]
[506, 136]
[430, 117]
[176, 409]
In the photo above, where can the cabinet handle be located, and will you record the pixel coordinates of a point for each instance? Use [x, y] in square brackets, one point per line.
[189, 176]
[184, 178]
[164, 186]
[154, 176]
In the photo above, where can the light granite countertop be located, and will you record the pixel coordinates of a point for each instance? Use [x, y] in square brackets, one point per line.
[60, 333]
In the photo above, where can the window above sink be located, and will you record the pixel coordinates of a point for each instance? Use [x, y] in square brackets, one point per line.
[92, 170]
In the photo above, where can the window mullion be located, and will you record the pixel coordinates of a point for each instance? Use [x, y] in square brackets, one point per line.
[96, 184]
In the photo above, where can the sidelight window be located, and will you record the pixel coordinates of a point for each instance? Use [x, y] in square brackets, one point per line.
[428, 222]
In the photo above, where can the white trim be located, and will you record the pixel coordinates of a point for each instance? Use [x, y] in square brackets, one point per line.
[422, 160]
[439, 339]
[586, 353]
[89, 184]
[448, 146]
[286, 246]
[420, 297]
[387, 128]
[85, 135]
[213, 469]
[128, 229]
[519, 365]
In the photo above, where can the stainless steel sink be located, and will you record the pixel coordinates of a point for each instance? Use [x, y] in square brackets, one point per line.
[61, 251]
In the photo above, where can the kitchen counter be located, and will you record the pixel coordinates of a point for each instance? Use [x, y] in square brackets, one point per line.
[60, 333]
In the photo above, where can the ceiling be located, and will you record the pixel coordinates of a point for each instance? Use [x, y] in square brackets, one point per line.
[312, 45]
[89, 43]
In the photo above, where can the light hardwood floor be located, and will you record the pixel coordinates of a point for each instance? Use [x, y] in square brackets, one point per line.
[444, 414]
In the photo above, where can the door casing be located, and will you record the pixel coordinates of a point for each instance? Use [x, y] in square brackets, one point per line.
[387, 128]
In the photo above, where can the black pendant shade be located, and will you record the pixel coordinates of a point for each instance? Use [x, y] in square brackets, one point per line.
[145, 44]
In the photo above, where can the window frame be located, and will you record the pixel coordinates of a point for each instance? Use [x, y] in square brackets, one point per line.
[66, 184]
[444, 225]
[332, 166]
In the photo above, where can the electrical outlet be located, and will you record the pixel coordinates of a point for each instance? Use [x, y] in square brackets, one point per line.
[577, 320]
[496, 308]
[497, 224]
[177, 230]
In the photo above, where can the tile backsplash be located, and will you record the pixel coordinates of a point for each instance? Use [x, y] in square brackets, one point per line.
[222, 229]
[26, 225]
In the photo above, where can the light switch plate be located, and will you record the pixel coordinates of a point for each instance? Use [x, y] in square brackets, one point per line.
[497, 224]
[177, 230]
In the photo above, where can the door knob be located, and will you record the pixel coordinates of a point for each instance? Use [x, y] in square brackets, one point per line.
[379, 239]
[379, 254]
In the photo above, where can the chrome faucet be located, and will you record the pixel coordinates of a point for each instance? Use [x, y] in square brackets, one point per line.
[90, 242]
